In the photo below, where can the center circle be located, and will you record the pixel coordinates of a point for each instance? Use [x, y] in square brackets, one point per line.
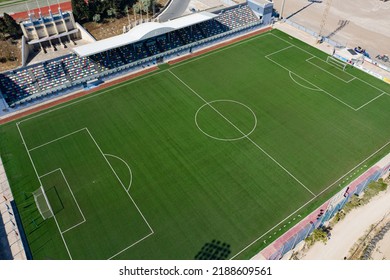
[225, 120]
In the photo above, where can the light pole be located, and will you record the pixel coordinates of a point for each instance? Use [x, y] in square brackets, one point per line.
[128, 18]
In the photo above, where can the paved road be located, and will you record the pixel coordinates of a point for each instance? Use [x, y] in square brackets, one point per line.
[174, 10]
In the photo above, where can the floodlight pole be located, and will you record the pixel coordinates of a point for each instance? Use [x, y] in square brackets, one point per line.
[40, 12]
[135, 15]
[128, 17]
[140, 10]
[29, 12]
[281, 10]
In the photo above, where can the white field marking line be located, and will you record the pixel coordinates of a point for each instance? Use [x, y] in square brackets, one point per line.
[315, 55]
[324, 190]
[40, 182]
[128, 194]
[128, 167]
[319, 67]
[381, 90]
[163, 71]
[86, 129]
[116, 175]
[246, 136]
[312, 56]
[78, 206]
[335, 64]
[48, 173]
[74, 198]
[273, 228]
[371, 101]
[135, 243]
[225, 139]
[278, 51]
[72, 227]
[309, 88]
[346, 104]
[59, 138]
[145, 76]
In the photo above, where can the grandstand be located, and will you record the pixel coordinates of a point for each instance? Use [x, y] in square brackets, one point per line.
[142, 46]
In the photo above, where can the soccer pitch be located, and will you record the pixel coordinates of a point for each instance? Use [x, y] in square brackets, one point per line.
[232, 147]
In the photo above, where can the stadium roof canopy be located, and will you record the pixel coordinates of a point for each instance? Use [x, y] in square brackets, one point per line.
[142, 32]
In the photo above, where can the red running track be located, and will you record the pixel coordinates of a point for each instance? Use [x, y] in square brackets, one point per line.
[65, 6]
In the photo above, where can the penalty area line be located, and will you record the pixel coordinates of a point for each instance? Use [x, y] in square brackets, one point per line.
[40, 182]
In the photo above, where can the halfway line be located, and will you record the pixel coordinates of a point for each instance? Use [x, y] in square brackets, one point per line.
[245, 136]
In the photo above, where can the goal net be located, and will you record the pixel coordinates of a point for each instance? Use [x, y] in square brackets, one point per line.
[42, 203]
[336, 62]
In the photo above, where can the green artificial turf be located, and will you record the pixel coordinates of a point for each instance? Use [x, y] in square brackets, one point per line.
[223, 147]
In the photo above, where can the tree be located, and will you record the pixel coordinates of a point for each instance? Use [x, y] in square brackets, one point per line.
[11, 27]
[3, 29]
[111, 12]
[3, 26]
[119, 7]
[92, 8]
[98, 7]
[147, 5]
[317, 235]
[142, 6]
[80, 10]
[96, 18]
[106, 8]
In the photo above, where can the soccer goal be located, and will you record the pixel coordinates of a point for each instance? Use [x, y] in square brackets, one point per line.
[336, 62]
[42, 203]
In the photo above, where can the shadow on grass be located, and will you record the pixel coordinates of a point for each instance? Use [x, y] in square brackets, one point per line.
[214, 250]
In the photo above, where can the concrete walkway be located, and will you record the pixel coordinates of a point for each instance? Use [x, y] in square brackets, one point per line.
[9, 229]
[176, 8]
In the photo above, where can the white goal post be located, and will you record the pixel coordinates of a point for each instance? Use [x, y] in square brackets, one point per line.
[336, 62]
[42, 203]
